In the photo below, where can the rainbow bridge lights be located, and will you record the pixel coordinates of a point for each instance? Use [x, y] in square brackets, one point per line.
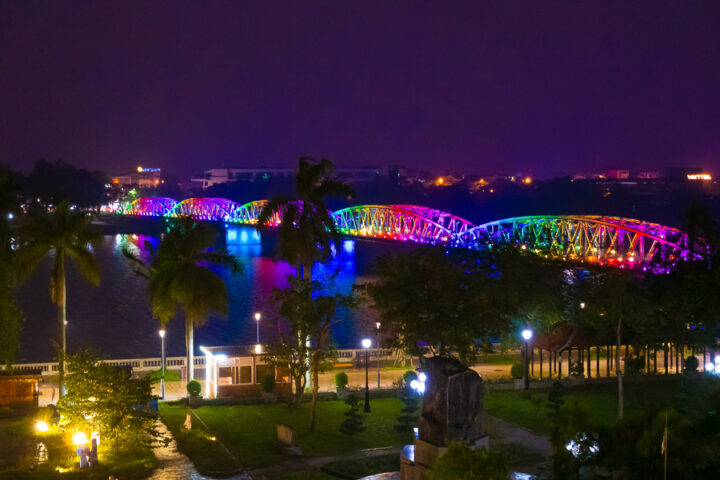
[408, 223]
[149, 206]
[615, 241]
[605, 240]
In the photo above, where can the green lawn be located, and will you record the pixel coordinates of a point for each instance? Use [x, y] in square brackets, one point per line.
[249, 431]
[601, 400]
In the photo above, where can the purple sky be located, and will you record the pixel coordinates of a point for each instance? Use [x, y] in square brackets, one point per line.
[478, 86]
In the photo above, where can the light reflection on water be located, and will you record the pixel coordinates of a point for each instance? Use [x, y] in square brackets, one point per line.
[115, 318]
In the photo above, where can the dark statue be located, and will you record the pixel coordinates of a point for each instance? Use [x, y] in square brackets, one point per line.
[452, 404]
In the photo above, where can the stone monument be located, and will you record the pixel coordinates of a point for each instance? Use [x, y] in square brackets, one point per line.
[452, 408]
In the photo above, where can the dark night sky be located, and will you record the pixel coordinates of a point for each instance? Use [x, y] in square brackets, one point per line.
[479, 86]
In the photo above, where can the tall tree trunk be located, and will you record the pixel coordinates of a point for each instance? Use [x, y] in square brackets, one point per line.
[315, 388]
[618, 370]
[62, 319]
[190, 349]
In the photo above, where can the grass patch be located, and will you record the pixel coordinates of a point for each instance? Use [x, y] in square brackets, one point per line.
[530, 411]
[499, 359]
[363, 467]
[516, 453]
[249, 431]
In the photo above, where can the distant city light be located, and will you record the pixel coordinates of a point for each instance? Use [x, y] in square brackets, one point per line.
[527, 180]
[699, 176]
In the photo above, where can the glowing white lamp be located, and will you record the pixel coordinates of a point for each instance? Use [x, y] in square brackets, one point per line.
[527, 334]
[42, 427]
[79, 438]
[366, 343]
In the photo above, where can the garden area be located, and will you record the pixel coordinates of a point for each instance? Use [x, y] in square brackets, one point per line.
[249, 431]
[20, 438]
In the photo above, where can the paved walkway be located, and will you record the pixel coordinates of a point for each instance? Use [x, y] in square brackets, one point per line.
[306, 463]
[173, 465]
[511, 433]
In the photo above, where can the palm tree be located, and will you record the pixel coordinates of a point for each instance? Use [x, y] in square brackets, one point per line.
[179, 276]
[65, 234]
[307, 230]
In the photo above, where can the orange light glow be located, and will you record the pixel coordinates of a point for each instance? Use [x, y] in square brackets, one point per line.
[527, 180]
[699, 176]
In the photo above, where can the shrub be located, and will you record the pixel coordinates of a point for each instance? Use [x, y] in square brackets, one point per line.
[635, 364]
[341, 379]
[194, 388]
[461, 461]
[268, 383]
[353, 422]
[409, 376]
[691, 364]
[517, 371]
[577, 368]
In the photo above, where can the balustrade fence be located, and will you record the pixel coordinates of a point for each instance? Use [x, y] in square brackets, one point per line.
[154, 363]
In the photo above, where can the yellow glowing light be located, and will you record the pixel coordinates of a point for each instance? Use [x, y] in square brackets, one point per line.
[42, 426]
[699, 176]
[440, 180]
[527, 180]
[140, 168]
[258, 348]
[79, 438]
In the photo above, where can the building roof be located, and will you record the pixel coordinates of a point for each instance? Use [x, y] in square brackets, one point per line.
[234, 350]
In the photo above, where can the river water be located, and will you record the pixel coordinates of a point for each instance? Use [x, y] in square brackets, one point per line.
[115, 320]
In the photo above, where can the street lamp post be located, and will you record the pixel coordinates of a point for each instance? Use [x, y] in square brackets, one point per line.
[257, 321]
[377, 345]
[366, 344]
[527, 335]
[162, 363]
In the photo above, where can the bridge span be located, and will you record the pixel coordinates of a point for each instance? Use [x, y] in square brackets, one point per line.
[614, 241]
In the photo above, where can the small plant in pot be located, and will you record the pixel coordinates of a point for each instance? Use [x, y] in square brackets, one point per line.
[577, 372]
[194, 390]
[517, 372]
[267, 382]
[341, 381]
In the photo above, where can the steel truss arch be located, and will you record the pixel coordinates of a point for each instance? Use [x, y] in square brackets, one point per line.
[150, 206]
[249, 213]
[407, 223]
[605, 240]
[206, 209]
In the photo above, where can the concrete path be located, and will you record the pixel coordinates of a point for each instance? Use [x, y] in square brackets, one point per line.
[511, 433]
[306, 463]
[173, 465]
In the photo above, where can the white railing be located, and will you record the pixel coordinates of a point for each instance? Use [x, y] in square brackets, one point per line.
[153, 363]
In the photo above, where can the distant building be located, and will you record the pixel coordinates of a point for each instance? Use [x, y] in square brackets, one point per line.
[144, 177]
[681, 173]
[219, 176]
[616, 174]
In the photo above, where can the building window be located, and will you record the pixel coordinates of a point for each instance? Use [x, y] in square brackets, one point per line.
[245, 374]
[262, 370]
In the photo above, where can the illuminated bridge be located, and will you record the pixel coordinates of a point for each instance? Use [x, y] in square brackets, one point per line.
[615, 241]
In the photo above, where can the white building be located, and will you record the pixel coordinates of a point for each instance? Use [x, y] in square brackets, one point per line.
[217, 176]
